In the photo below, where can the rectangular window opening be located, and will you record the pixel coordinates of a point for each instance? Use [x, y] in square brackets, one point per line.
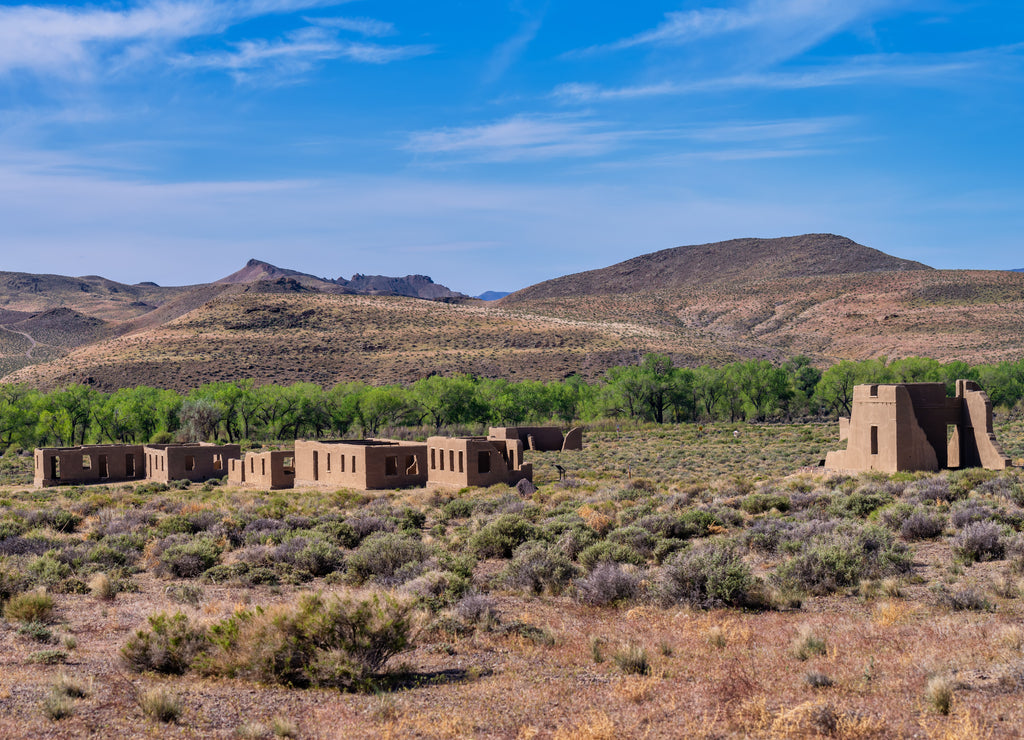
[288, 464]
[391, 465]
[874, 440]
[483, 463]
[353, 463]
[129, 466]
[263, 466]
[190, 462]
[218, 462]
[442, 459]
[451, 460]
[86, 462]
[316, 465]
[874, 391]
[433, 459]
[55, 467]
[104, 469]
[329, 461]
[460, 461]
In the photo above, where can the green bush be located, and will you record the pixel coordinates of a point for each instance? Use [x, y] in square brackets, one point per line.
[387, 557]
[535, 568]
[609, 552]
[709, 576]
[337, 643]
[169, 645]
[758, 503]
[31, 606]
[840, 560]
[190, 559]
[500, 538]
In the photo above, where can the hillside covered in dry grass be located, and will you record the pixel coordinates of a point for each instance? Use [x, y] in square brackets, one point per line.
[819, 295]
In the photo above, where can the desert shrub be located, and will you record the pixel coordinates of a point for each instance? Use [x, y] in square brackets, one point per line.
[935, 489]
[102, 587]
[920, 525]
[535, 568]
[318, 558]
[893, 515]
[11, 580]
[457, 508]
[500, 538]
[968, 512]
[169, 645]
[939, 694]
[609, 552]
[575, 539]
[964, 599]
[632, 659]
[476, 609]
[340, 533]
[190, 558]
[758, 503]
[366, 524]
[48, 569]
[979, 541]
[708, 576]
[807, 644]
[635, 537]
[842, 559]
[337, 642]
[818, 680]
[387, 557]
[161, 705]
[61, 520]
[30, 606]
[436, 589]
[665, 546]
[57, 706]
[608, 583]
[858, 504]
[411, 521]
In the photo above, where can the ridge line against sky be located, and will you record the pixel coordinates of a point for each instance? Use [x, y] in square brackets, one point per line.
[494, 145]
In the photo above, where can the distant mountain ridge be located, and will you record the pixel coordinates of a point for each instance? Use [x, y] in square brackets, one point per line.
[736, 261]
[411, 286]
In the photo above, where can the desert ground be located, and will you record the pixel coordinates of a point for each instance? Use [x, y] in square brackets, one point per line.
[680, 581]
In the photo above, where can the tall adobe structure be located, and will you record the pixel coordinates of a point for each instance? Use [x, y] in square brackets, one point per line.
[906, 426]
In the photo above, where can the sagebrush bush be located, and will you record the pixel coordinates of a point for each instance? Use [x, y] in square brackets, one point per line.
[979, 541]
[31, 606]
[921, 525]
[161, 705]
[336, 642]
[169, 645]
[759, 503]
[388, 558]
[189, 558]
[608, 583]
[708, 576]
[841, 559]
[632, 659]
[500, 538]
[537, 568]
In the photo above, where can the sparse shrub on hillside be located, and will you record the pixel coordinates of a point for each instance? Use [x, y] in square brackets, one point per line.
[536, 568]
[608, 583]
[979, 541]
[842, 559]
[609, 552]
[189, 557]
[31, 606]
[709, 575]
[759, 503]
[341, 643]
[922, 525]
[501, 537]
[169, 645]
[388, 558]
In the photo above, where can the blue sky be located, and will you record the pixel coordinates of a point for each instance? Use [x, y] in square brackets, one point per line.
[492, 145]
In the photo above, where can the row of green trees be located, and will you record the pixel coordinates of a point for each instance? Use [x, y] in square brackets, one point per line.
[654, 390]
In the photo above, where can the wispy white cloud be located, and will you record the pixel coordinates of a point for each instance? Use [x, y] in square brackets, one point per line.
[296, 53]
[509, 52]
[891, 69]
[773, 29]
[532, 138]
[364, 26]
[522, 138]
[76, 42]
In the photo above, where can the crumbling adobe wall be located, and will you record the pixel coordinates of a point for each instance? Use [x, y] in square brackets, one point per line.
[88, 464]
[270, 470]
[476, 461]
[195, 461]
[360, 464]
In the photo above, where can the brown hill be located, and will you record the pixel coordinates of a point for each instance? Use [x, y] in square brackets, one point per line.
[819, 295]
[737, 262]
